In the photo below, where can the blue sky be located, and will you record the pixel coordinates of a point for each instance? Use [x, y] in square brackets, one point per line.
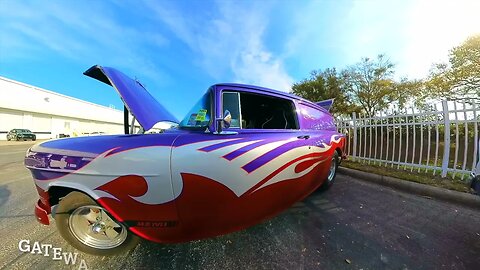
[179, 48]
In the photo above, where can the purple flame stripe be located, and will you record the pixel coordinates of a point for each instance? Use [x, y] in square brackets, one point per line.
[100, 144]
[223, 144]
[238, 152]
[267, 157]
[47, 175]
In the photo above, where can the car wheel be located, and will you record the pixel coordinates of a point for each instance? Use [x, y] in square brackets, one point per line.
[8, 138]
[332, 173]
[34, 139]
[89, 228]
[17, 139]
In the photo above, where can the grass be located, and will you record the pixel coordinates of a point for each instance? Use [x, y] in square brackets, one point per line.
[418, 177]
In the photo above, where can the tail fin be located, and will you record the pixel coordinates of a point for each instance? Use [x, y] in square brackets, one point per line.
[326, 104]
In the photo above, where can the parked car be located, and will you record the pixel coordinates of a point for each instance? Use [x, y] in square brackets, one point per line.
[62, 135]
[18, 134]
[96, 133]
[241, 155]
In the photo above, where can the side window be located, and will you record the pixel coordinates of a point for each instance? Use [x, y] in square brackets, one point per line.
[231, 102]
[267, 112]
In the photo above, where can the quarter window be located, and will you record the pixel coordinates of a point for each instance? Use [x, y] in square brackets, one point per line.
[231, 102]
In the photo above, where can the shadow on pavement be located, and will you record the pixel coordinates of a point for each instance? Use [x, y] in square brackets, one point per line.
[4, 194]
[309, 235]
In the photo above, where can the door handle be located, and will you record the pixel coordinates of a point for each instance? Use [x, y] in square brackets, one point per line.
[305, 137]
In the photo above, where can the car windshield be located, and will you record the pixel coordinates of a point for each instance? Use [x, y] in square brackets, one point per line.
[199, 115]
[23, 131]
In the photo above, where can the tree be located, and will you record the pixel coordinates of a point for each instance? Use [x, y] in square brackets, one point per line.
[322, 85]
[407, 92]
[460, 77]
[370, 84]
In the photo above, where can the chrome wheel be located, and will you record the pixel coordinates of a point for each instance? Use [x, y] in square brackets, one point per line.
[333, 169]
[92, 226]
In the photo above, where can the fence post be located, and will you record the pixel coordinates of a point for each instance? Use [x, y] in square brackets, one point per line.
[354, 118]
[446, 139]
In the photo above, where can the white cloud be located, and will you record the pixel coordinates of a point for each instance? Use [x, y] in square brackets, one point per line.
[229, 44]
[88, 34]
[414, 34]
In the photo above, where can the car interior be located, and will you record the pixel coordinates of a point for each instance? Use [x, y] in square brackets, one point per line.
[260, 111]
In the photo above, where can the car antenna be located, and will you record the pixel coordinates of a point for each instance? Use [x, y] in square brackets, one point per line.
[136, 80]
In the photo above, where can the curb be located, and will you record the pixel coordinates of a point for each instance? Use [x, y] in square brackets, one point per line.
[447, 195]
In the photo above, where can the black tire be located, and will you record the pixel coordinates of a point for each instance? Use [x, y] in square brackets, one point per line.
[17, 139]
[34, 139]
[8, 138]
[330, 179]
[64, 210]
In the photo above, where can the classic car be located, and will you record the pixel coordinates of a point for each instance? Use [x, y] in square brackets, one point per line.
[18, 134]
[241, 155]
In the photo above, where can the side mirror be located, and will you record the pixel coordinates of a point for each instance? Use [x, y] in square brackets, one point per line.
[224, 123]
[227, 119]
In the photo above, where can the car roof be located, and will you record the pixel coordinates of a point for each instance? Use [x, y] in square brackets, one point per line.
[268, 90]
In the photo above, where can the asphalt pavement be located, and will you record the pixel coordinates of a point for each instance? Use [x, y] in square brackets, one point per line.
[354, 225]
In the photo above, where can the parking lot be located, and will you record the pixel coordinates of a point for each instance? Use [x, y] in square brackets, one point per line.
[354, 225]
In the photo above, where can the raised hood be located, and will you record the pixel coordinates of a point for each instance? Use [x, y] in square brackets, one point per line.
[143, 106]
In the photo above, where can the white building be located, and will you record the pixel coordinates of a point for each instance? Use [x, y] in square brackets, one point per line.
[48, 114]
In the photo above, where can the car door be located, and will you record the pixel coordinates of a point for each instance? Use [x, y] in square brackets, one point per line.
[234, 179]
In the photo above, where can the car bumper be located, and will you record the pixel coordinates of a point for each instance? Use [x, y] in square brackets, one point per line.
[41, 212]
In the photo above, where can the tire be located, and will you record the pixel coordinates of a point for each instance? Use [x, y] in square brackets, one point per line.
[8, 138]
[332, 173]
[77, 209]
[34, 139]
[17, 139]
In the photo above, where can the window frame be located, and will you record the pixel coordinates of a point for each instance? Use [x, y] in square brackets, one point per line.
[291, 101]
[239, 107]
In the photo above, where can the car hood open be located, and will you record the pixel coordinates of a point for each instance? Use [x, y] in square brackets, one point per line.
[143, 106]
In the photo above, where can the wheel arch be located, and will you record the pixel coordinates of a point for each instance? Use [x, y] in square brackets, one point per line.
[57, 191]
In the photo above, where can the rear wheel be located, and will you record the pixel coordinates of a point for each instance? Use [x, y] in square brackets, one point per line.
[89, 228]
[332, 173]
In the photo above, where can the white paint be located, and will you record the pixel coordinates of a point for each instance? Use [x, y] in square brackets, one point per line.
[230, 173]
[150, 162]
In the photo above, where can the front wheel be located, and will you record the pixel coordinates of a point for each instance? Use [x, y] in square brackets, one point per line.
[88, 227]
[332, 173]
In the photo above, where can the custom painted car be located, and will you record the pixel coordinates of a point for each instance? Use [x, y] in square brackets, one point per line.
[241, 155]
